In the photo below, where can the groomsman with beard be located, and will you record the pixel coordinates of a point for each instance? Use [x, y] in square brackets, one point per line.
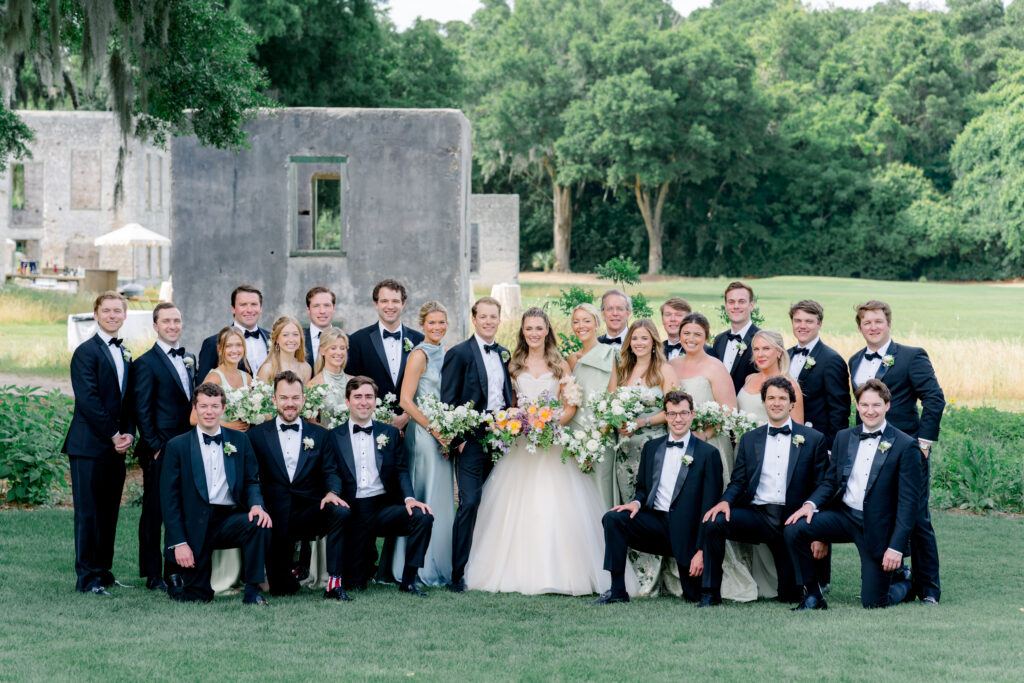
[320, 303]
[778, 466]
[210, 498]
[474, 371]
[909, 376]
[246, 307]
[869, 497]
[732, 347]
[163, 380]
[300, 485]
[101, 431]
[380, 351]
[616, 307]
[679, 478]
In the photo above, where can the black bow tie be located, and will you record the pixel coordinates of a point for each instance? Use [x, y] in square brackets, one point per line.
[611, 340]
[368, 429]
[872, 356]
[114, 341]
[675, 444]
[733, 337]
[669, 347]
[216, 438]
[870, 435]
[252, 334]
[801, 351]
[179, 352]
[784, 429]
[290, 428]
[491, 347]
[392, 335]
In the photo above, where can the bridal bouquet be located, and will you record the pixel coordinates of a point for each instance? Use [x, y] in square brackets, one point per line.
[621, 408]
[251, 404]
[315, 396]
[537, 422]
[585, 446]
[447, 421]
[334, 410]
[709, 416]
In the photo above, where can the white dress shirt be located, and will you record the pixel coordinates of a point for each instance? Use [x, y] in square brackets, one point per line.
[771, 487]
[392, 351]
[291, 444]
[797, 363]
[213, 464]
[674, 352]
[732, 347]
[179, 365]
[115, 353]
[669, 473]
[255, 349]
[866, 369]
[368, 482]
[314, 340]
[495, 375]
[857, 484]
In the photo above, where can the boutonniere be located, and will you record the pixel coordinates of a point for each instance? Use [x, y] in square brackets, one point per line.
[307, 442]
[809, 363]
[504, 356]
[687, 460]
[229, 448]
[798, 440]
[884, 446]
[189, 363]
[126, 354]
[382, 441]
[407, 345]
[888, 360]
[741, 347]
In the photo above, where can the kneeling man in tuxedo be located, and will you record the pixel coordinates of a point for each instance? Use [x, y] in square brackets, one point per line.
[210, 498]
[300, 485]
[869, 497]
[778, 466]
[679, 479]
[375, 482]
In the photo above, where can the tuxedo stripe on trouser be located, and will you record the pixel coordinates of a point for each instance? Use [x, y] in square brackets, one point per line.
[372, 518]
[649, 532]
[152, 561]
[96, 486]
[227, 528]
[471, 469]
[924, 551]
[754, 524]
[306, 522]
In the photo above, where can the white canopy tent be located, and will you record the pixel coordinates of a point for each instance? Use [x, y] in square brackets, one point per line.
[132, 235]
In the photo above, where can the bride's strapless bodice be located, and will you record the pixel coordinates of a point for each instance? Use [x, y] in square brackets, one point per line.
[530, 388]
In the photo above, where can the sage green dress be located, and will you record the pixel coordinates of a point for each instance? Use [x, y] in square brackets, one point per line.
[592, 372]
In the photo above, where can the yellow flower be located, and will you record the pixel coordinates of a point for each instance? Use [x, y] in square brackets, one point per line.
[545, 413]
[532, 410]
[500, 416]
[514, 426]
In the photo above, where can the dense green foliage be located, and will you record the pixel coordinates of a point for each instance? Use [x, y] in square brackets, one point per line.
[31, 433]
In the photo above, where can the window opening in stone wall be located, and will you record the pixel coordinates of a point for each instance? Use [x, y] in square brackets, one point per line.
[317, 206]
[18, 187]
[86, 172]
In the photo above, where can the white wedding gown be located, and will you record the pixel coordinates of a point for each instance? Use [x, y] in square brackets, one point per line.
[538, 529]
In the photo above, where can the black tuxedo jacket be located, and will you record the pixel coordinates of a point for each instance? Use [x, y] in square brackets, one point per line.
[826, 389]
[185, 496]
[807, 464]
[464, 375]
[394, 473]
[892, 497]
[910, 379]
[208, 355]
[366, 357]
[162, 408]
[697, 489]
[315, 474]
[744, 364]
[102, 408]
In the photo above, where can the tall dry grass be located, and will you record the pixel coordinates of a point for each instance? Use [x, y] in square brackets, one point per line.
[24, 305]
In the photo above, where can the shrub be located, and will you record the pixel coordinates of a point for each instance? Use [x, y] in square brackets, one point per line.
[32, 428]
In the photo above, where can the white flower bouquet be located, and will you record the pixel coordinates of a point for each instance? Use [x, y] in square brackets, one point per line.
[251, 404]
[449, 422]
[585, 446]
[621, 408]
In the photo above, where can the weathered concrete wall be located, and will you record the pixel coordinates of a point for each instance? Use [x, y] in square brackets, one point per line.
[405, 201]
[494, 231]
[69, 194]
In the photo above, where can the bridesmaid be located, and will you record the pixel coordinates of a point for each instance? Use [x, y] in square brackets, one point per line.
[230, 352]
[430, 468]
[287, 351]
[592, 366]
[330, 364]
[771, 359]
[643, 364]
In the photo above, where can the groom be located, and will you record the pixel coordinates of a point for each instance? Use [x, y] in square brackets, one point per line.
[474, 371]
[679, 478]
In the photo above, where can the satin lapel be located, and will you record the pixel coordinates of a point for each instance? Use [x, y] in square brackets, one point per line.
[191, 372]
[378, 346]
[274, 444]
[507, 385]
[851, 456]
[755, 474]
[170, 369]
[794, 453]
[855, 362]
[659, 460]
[481, 369]
[876, 463]
[104, 350]
[684, 470]
[345, 445]
[405, 354]
[303, 454]
[804, 370]
[378, 452]
[882, 367]
[231, 471]
[198, 470]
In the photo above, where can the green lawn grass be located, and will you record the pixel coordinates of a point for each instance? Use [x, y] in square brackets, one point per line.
[50, 632]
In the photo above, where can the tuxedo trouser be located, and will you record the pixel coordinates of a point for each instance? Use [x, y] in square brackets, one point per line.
[151, 558]
[305, 522]
[472, 466]
[649, 532]
[372, 518]
[96, 486]
[229, 527]
[877, 588]
[753, 524]
[924, 551]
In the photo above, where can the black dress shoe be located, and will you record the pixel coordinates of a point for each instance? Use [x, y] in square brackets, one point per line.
[708, 600]
[175, 581]
[457, 586]
[101, 591]
[810, 602]
[413, 590]
[610, 598]
[155, 583]
[338, 593]
[256, 600]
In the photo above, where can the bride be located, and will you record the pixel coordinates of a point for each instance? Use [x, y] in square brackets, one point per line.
[539, 526]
